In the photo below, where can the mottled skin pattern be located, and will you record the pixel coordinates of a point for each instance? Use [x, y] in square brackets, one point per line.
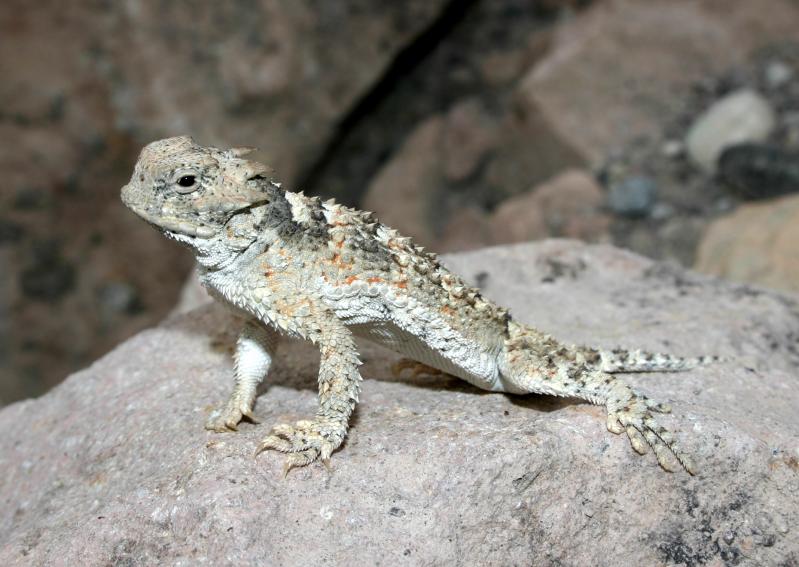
[293, 265]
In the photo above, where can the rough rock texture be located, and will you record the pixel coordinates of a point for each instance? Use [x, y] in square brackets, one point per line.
[114, 466]
[756, 244]
[86, 84]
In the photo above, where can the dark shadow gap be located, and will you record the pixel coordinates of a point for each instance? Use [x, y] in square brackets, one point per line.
[404, 62]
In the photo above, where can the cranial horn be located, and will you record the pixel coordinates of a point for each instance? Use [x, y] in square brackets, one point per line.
[241, 151]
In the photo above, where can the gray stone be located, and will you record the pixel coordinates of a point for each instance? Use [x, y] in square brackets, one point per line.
[759, 171]
[778, 74]
[113, 467]
[673, 148]
[633, 196]
[741, 116]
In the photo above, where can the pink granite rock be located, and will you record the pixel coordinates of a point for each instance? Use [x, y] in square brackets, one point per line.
[568, 205]
[113, 467]
[757, 243]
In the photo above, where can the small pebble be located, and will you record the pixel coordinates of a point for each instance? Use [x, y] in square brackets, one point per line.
[633, 196]
[673, 148]
[778, 74]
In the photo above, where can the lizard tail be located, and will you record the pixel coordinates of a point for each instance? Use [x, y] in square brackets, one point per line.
[620, 360]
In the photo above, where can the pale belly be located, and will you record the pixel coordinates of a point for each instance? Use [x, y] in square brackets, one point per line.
[449, 352]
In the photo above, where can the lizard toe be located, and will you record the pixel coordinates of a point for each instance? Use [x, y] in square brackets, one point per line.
[305, 441]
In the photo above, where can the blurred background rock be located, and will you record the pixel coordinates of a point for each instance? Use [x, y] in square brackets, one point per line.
[670, 127]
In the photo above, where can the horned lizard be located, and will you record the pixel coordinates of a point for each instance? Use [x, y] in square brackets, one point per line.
[294, 265]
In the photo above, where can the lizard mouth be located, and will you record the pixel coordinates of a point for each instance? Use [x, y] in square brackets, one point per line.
[167, 223]
[183, 228]
[173, 226]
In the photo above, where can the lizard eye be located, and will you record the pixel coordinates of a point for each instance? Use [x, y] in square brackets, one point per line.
[187, 181]
[186, 184]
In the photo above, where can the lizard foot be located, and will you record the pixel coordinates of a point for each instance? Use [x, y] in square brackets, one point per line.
[305, 441]
[417, 368]
[635, 417]
[228, 418]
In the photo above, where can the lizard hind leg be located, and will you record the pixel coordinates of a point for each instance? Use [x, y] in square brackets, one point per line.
[537, 364]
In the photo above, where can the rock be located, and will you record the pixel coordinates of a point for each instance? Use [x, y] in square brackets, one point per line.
[662, 211]
[778, 74]
[468, 228]
[119, 297]
[529, 151]
[48, 276]
[10, 232]
[193, 294]
[568, 205]
[755, 244]
[114, 466]
[673, 149]
[633, 196]
[759, 171]
[405, 192]
[614, 70]
[469, 134]
[741, 116]
[791, 123]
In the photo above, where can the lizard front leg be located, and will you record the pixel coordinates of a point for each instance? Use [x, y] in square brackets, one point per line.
[255, 348]
[339, 385]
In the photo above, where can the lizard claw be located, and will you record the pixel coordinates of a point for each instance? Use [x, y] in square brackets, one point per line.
[300, 459]
[644, 432]
[251, 416]
[306, 441]
[228, 418]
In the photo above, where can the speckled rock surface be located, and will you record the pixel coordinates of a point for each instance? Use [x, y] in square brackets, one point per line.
[113, 467]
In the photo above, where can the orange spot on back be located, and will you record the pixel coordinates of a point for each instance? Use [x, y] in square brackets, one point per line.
[339, 263]
[350, 279]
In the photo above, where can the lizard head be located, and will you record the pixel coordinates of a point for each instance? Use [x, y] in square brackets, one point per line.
[189, 191]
